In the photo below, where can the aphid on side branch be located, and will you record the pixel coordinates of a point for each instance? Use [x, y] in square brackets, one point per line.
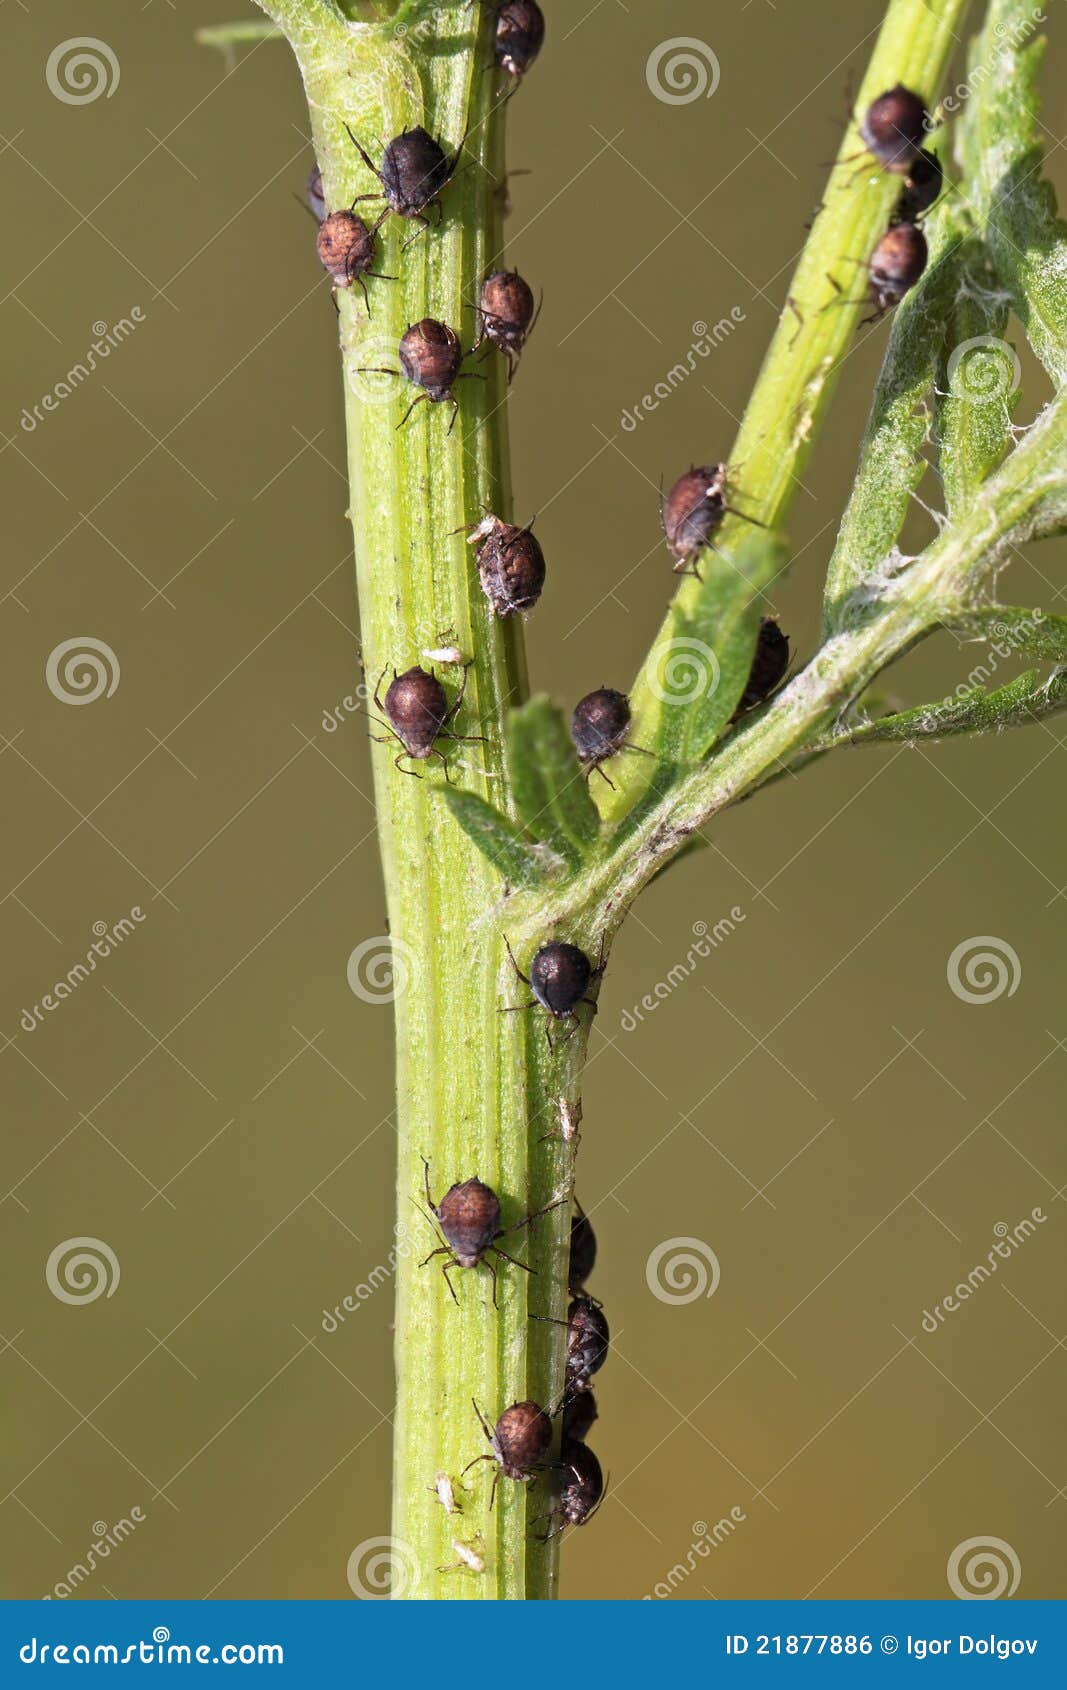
[894, 128]
[922, 188]
[693, 511]
[518, 36]
[897, 263]
[769, 664]
[599, 726]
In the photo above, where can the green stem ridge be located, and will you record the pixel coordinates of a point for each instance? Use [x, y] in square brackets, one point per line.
[482, 1092]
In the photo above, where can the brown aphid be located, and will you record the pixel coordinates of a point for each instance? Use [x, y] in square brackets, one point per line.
[346, 246]
[894, 128]
[414, 170]
[583, 1251]
[599, 725]
[693, 511]
[580, 1414]
[468, 1216]
[897, 263]
[430, 356]
[769, 665]
[520, 1441]
[417, 713]
[511, 565]
[313, 193]
[922, 188]
[519, 35]
[508, 315]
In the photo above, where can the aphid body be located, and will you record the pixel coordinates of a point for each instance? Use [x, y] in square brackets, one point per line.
[922, 188]
[599, 726]
[769, 665]
[583, 1251]
[519, 1441]
[894, 128]
[414, 170]
[582, 1490]
[430, 357]
[519, 35]
[468, 1216]
[313, 193]
[693, 510]
[588, 1336]
[508, 314]
[511, 566]
[579, 1416]
[896, 265]
[345, 246]
[417, 713]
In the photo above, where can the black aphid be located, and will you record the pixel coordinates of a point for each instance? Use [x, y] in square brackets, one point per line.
[414, 170]
[599, 726]
[583, 1250]
[518, 36]
[769, 665]
[580, 1414]
[559, 977]
[582, 1488]
[897, 263]
[894, 128]
[588, 1337]
[520, 1441]
[692, 512]
[507, 315]
[346, 247]
[511, 565]
[469, 1218]
[922, 188]
[417, 713]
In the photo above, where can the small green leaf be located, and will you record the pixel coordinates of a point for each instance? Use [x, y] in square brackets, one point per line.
[977, 382]
[1003, 156]
[1007, 628]
[495, 836]
[891, 458]
[977, 711]
[702, 669]
[551, 792]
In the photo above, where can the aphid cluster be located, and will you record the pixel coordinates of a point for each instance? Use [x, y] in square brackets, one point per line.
[894, 128]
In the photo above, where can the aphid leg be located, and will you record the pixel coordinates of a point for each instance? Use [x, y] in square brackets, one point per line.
[442, 1250]
[371, 167]
[426, 1181]
[416, 774]
[446, 1269]
[455, 411]
[525, 1266]
[525, 978]
[536, 1216]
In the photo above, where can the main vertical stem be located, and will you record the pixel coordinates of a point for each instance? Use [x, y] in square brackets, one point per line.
[474, 1089]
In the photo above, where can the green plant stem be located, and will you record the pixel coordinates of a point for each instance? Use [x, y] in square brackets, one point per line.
[796, 383]
[476, 1089]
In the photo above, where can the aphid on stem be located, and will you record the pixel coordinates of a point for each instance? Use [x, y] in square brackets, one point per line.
[581, 1492]
[430, 357]
[468, 1216]
[520, 1441]
[508, 315]
[769, 664]
[511, 565]
[693, 511]
[417, 714]
[583, 1250]
[346, 246]
[415, 169]
[560, 975]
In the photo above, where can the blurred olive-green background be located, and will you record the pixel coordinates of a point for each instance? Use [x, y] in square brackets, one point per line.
[813, 1103]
